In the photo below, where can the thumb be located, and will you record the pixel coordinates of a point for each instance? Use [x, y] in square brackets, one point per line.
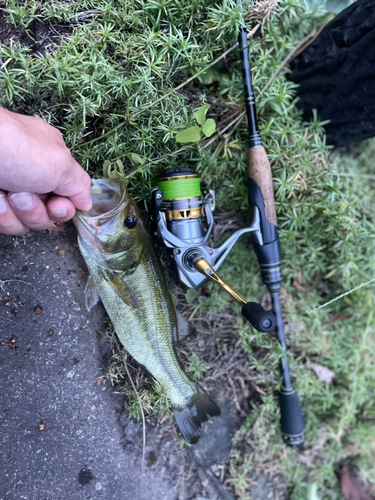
[75, 184]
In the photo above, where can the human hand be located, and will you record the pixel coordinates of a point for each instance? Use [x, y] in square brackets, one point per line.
[40, 182]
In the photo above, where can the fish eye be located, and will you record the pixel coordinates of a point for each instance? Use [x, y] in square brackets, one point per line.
[130, 222]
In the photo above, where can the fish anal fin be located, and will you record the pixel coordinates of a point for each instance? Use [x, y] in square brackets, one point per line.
[184, 328]
[91, 294]
[190, 418]
[122, 290]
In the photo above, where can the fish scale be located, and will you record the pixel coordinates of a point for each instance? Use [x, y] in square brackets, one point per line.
[146, 332]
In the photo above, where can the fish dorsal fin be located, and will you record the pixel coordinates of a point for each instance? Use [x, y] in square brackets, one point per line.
[91, 294]
[122, 289]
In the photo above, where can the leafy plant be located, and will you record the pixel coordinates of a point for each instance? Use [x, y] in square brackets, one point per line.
[193, 134]
[197, 366]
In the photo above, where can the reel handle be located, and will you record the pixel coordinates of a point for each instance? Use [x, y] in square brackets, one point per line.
[258, 317]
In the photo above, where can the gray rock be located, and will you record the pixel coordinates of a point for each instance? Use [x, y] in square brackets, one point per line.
[215, 443]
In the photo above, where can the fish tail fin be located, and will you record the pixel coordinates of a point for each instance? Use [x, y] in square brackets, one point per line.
[190, 418]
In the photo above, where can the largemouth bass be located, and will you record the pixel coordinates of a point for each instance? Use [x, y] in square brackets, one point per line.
[127, 275]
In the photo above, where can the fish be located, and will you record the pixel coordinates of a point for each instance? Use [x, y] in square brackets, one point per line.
[126, 274]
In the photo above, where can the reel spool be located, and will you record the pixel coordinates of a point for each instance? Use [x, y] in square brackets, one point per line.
[182, 219]
[182, 204]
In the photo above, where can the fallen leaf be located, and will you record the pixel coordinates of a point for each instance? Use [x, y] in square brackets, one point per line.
[309, 455]
[64, 253]
[338, 317]
[38, 309]
[21, 304]
[352, 488]
[302, 288]
[351, 450]
[323, 373]
[298, 283]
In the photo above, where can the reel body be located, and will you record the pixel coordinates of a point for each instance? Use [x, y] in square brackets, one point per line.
[182, 219]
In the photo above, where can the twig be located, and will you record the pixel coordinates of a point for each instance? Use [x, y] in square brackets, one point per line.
[12, 321]
[17, 281]
[287, 60]
[231, 116]
[143, 422]
[354, 175]
[221, 132]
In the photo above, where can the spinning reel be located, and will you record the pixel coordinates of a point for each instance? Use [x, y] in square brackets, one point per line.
[182, 218]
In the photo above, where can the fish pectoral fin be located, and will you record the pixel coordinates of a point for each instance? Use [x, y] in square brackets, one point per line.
[91, 294]
[122, 289]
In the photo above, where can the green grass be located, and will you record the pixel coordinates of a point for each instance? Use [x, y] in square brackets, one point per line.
[109, 88]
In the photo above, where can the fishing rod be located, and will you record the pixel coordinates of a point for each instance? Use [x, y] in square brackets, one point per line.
[262, 204]
[182, 220]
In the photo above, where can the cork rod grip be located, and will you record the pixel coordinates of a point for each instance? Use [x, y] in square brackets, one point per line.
[260, 171]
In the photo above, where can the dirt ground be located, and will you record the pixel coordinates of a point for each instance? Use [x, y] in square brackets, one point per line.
[64, 435]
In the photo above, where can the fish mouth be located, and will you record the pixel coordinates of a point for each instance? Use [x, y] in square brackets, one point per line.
[108, 196]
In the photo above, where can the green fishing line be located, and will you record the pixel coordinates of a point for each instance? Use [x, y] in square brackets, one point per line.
[180, 188]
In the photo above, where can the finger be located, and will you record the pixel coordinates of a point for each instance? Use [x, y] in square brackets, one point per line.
[60, 209]
[44, 197]
[9, 223]
[30, 210]
[75, 185]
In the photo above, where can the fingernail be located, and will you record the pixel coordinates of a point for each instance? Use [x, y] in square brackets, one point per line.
[3, 203]
[59, 212]
[22, 201]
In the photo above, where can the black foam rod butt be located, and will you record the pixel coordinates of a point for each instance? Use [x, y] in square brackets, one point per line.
[292, 423]
[259, 318]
